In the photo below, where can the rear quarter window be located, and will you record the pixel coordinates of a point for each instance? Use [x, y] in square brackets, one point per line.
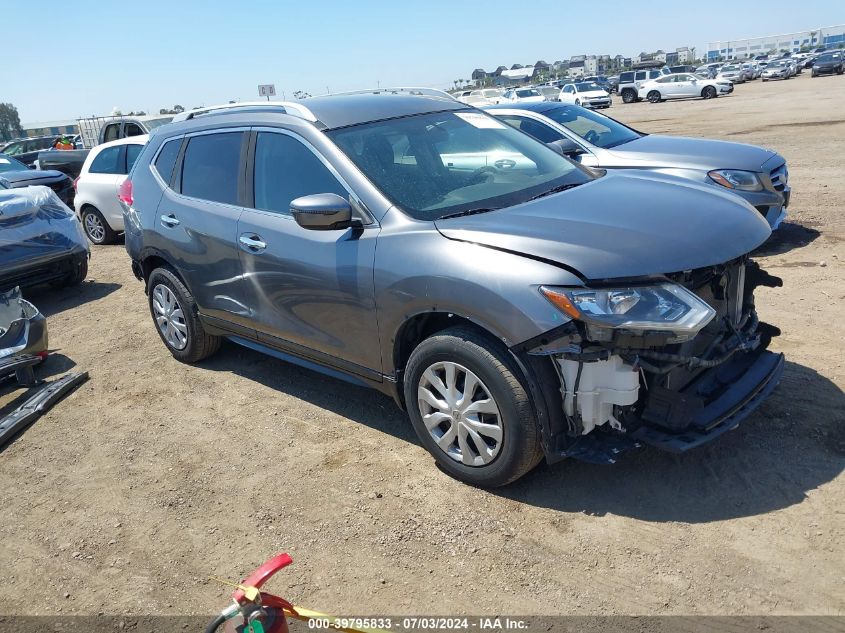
[106, 162]
[166, 159]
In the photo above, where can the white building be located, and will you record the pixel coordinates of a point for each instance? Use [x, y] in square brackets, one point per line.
[827, 36]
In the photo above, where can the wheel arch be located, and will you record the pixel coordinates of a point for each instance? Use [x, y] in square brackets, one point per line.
[152, 259]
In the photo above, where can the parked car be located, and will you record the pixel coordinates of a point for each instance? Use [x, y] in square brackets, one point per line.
[102, 174]
[828, 64]
[733, 73]
[777, 69]
[18, 175]
[104, 129]
[550, 93]
[601, 80]
[516, 304]
[752, 72]
[683, 85]
[758, 175]
[586, 93]
[630, 82]
[67, 161]
[40, 239]
[683, 68]
[613, 84]
[522, 95]
[26, 150]
[708, 72]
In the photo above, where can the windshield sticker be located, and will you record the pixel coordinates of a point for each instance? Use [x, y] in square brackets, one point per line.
[5, 161]
[481, 121]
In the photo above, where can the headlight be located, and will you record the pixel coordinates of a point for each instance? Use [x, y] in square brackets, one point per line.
[664, 307]
[736, 179]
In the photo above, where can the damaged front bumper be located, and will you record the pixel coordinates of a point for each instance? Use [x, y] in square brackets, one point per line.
[631, 389]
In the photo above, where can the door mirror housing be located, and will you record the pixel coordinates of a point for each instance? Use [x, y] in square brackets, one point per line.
[566, 147]
[323, 212]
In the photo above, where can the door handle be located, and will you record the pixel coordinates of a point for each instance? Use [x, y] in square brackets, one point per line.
[169, 220]
[252, 243]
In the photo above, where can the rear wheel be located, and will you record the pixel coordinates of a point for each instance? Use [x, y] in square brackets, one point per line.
[709, 92]
[653, 97]
[96, 228]
[174, 312]
[470, 409]
[628, 95]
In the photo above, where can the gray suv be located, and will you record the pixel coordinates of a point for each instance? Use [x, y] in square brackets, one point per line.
[516, 304]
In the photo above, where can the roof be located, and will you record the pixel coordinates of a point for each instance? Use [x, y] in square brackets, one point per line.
[337, 111]
[139, 139]
[517, 73]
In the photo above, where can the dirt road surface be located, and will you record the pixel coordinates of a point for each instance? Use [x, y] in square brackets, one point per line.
[155, 475]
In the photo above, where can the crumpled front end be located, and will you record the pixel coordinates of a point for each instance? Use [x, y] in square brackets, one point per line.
[624, 384]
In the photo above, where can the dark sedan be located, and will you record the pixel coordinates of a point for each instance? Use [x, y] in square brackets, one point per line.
[828, 64]
[16, 174]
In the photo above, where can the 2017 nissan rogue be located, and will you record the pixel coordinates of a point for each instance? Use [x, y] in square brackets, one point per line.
[517, 304]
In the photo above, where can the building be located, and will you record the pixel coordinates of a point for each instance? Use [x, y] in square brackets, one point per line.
[478, 76]
[514, 76]
[48, 128]
[827, 36]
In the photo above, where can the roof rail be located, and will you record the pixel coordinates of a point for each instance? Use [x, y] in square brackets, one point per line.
[410, 90]
[295, 109]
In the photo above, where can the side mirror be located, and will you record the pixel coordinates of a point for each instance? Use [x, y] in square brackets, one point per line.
[323, 212]
[566, 147]
[31, 166]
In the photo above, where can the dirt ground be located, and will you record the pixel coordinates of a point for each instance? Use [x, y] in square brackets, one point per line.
[155, 475]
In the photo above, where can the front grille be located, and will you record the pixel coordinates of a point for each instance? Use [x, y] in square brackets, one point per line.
[779, 176]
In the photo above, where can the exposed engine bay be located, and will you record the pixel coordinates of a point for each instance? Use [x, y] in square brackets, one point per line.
[671, 389]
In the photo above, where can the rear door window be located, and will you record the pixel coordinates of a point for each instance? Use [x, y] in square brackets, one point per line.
[107, 162]
[112, 132]
[211, 166]
[285, 169]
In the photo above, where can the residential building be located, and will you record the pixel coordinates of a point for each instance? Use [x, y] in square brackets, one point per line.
[827, 36]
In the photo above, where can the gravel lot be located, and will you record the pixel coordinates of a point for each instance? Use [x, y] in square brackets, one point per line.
[155, 475]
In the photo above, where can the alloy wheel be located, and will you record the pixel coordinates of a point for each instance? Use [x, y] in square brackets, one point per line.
[460, 413]
[169, 317]
[94, 228]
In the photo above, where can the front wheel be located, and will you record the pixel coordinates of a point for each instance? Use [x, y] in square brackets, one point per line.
[709, 92]
[174, 313]
[628, 96]
[653, 96]
[470, 409]
[577, 102]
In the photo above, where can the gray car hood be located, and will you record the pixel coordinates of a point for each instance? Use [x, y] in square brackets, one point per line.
[678, 151]
[621, 225]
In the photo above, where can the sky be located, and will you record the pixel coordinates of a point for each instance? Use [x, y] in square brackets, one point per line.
[154, 54]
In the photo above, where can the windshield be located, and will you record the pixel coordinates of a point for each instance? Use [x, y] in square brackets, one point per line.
[443, 163]
[7, 163]
[729, 68]
[825, 58]
[153, 123]
[587, 86]
[527, 93]
[595, 128]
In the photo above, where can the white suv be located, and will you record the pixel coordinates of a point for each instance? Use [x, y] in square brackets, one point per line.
[630, 82]
[103, 172]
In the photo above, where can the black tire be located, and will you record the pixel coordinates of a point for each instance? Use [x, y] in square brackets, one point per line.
[91, 214]
[629, 95]
[519, 450]
[653, 97]
[709, 92]
[199, 344]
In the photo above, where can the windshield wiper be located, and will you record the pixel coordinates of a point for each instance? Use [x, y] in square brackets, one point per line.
[557, 189]
[461, 214]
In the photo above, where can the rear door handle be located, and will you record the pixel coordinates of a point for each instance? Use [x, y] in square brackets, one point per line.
[252, 243]
[169, 220]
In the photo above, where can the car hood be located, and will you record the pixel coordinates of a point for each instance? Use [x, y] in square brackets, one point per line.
[621, 225]
[656, 150]
[593, 94]
[31, 177]
[529, 99]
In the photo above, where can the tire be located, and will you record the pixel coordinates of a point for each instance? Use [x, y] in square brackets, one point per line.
[181, 332]
[629, 96]
[97, 230]
[508, 456]
[709, 92]
[653, 97]
[577, 102]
